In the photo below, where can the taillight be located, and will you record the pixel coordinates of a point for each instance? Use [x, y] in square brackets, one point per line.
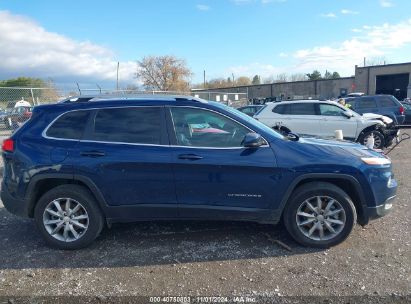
[402, 110]
[8, 145]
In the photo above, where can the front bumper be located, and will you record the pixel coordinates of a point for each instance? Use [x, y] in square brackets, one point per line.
[381, 210]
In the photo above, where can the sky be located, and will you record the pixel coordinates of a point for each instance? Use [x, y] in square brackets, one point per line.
[71, 41]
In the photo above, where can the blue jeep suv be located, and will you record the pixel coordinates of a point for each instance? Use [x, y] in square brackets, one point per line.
[77, 166]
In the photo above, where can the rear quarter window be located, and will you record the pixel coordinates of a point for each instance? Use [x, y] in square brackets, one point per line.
[386, 102]
[69, 126]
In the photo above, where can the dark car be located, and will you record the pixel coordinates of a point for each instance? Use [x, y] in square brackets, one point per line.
[386, 105]
[17, 116]
[250, 110]
[407, 106]
[77, 166]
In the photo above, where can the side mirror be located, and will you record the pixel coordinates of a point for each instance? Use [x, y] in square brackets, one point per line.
[252, 140]
[347, 114]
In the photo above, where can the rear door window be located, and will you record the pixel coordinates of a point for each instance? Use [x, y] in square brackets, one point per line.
[366, 102]
[306, 108]
[282, 109]
[69, 126]
[139, 125]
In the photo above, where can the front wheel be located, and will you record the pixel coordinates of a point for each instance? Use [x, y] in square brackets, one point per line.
[68, 217]
[319, 215]
[379, 140]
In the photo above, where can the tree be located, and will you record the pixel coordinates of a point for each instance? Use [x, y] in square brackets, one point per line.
[327, 75]
[335, 75]
[378, 60]
[47, 93]
[283, 77]
[243, 80]
[24, 82]
[315, 75]
[256, 80]
[298, 77]
[164, 73]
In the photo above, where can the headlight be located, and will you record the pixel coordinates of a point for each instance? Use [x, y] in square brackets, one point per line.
[387, 120]
[376, 161]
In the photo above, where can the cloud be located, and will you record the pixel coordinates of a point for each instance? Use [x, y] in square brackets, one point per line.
[27, 49]
[203, 7]
[283, 55]
[349, 12]
[372, 41]
[386, 3]
[328, 15]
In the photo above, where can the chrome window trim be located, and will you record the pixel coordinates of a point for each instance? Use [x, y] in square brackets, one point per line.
[44, 135]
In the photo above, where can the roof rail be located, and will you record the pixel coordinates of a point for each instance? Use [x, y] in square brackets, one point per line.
[87, 98]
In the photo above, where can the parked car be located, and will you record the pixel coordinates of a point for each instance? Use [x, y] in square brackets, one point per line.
[17, 116]
[407, 106]
[322, 118]
[77, 166]
[386, 105]
[250, 110]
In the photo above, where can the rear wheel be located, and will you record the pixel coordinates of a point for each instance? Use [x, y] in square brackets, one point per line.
[319, 215]
[68, 217]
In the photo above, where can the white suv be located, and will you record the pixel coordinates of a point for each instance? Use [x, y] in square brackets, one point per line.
[322, 118]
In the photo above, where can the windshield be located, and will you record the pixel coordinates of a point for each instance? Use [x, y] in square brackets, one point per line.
[249, 119]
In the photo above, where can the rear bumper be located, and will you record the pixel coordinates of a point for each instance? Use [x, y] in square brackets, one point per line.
[381, 210]
[13, 205]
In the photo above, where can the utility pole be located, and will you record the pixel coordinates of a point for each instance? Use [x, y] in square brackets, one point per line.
[204, 85]
[233, 78]
[118, 66]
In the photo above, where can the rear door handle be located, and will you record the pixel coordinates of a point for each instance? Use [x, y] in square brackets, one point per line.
[190, 156]
[92, 153]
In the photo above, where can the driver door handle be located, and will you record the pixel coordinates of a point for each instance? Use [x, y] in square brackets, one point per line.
[190, 156]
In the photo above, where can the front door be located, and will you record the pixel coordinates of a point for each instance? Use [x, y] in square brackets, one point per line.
[332, 118]
[215, 176]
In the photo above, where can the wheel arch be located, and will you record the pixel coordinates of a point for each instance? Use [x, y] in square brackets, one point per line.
[375, 127]
[347, 183]
[39, 185]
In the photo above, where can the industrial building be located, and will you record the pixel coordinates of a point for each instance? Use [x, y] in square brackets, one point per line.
[394, 79]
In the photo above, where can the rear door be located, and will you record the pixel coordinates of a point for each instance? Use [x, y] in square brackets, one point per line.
[125, 152]
[367, 105]
[304, 119]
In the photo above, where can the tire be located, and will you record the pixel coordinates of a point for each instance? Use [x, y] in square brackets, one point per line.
[88, 215]
[378, 138]
[310, 192]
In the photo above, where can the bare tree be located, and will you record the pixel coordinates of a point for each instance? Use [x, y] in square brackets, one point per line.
[298, 77]
[268, 80]
[378, 60]
[283, 77]
[164, 73]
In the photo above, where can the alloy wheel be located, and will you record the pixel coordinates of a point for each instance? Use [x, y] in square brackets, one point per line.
[321, 218]
[65, 219]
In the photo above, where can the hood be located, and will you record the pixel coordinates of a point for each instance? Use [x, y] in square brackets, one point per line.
[343, 145]
[374, 116]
